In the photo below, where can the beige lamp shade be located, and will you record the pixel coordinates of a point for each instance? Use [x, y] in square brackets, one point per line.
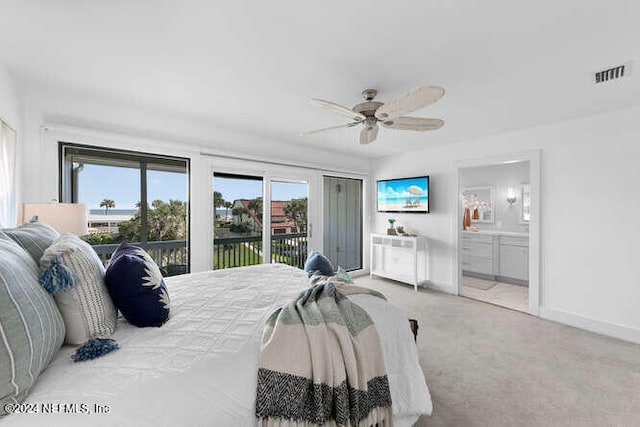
[64, 217]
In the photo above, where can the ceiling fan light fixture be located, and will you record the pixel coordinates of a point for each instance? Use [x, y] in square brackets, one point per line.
[369, 94]
[392, 115]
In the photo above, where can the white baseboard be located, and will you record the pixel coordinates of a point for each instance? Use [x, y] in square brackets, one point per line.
[359, 273]
[598, 326]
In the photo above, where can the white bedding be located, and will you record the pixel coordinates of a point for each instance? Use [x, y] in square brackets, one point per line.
[200, 368]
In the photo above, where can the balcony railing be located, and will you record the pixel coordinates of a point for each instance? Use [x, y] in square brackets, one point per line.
[289, 249]
[242, 251]
[172, 256]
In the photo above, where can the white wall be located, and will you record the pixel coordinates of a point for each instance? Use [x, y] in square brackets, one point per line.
[589, 202]
[98, 122]
[500, 178]
[46, 106]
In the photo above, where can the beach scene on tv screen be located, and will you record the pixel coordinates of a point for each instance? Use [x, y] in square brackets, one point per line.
[408, 195]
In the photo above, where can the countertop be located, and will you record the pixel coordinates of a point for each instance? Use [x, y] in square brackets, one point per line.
[497, 233]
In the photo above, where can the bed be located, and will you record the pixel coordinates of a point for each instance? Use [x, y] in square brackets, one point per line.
[200, 367]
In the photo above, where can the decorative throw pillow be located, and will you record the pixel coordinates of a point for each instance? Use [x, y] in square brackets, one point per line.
[136, 287]
[73, 273]
[318, 262]
[35, 237]
[342, 274]
[31, 325]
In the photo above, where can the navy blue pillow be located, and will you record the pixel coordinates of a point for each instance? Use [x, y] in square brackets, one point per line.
[318, 262]
[136, 287]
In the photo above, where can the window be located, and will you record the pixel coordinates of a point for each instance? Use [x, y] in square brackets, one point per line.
[7, 174]
[289, 222]
[244, 236]
[238, 220]
[132, 197]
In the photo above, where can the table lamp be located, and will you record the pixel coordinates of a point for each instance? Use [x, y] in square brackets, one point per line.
[63, 217]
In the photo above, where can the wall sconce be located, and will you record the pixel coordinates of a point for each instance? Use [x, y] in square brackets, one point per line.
[511, 195]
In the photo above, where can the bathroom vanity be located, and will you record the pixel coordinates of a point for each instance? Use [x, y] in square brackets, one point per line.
[496, 255]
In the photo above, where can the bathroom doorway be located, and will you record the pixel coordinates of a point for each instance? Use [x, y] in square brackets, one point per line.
[498, 231]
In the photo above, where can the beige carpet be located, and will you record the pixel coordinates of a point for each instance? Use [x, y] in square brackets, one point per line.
[490, 366]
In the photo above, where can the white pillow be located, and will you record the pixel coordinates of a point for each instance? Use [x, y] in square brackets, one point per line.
[85, 304]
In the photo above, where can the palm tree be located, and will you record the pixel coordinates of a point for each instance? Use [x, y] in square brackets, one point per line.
[107, 204]
[255, 206]
[296, 210]
[227, 206]
[218, 202]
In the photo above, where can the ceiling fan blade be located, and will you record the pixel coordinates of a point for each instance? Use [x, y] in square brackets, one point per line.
[348, 125]
[369, 134]
[414, 100]
[337, 109]
[413, 123]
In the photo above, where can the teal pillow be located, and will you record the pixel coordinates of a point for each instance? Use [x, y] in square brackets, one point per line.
[342, 274]
[318, 262]
[32, 327]
[34, 237]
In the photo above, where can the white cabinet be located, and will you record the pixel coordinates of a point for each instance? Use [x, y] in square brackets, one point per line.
[498, 256]
[477, 253]
[514, 258]
[401, 258]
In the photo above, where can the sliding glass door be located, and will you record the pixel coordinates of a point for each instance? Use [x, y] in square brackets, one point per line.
[238, 220]
[259, 219]
[289, 222]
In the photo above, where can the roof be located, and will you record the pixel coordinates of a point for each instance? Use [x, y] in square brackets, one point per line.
[277, 206]
[277, 211]
[109, 218]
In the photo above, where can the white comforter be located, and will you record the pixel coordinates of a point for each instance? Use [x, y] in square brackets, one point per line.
[200, 368]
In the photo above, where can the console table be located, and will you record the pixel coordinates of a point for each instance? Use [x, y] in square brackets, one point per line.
[401, 258]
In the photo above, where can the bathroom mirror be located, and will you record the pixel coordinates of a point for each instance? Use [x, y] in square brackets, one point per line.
[482, 199]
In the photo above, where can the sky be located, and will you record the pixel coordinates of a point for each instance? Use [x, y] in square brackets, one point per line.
[232, 189]
[399, 189]
[122, 185]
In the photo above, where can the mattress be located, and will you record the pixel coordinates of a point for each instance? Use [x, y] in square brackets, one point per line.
[200, 368]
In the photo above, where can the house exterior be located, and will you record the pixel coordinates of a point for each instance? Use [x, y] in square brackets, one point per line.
[280, 224]
[108, 223]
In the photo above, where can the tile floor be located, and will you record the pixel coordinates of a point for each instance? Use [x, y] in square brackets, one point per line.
[503, 294]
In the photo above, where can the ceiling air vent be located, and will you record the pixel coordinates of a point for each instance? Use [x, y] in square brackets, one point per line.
[613, 73]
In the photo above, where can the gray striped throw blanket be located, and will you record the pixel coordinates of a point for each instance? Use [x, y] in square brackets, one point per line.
[321, 362]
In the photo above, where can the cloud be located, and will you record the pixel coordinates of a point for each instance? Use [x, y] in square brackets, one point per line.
[415, 190]
[391, 193]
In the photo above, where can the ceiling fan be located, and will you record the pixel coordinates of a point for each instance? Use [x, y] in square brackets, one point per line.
[391, 115]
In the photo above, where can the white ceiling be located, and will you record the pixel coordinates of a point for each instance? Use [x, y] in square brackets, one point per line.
[252, 65]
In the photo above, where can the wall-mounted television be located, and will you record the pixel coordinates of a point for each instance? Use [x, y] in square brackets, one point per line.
[404, 195]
